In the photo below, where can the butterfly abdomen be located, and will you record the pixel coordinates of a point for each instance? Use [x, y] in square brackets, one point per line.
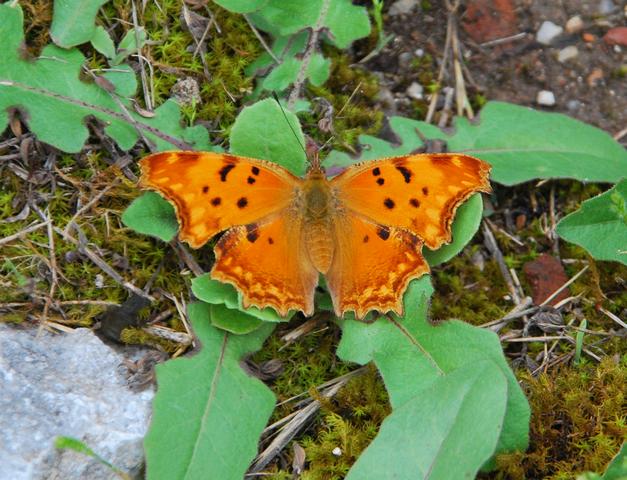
[319, 244]
[318, 234]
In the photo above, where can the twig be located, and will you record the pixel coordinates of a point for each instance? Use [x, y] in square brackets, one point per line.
[89, 204]
[559, 290]
[312, 45]
[142, 72]
[613, 317]
[499, 41]
[490, 243]
[25, 231]
[262, 41]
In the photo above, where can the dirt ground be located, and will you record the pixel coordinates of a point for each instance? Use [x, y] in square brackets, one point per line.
[591, 87]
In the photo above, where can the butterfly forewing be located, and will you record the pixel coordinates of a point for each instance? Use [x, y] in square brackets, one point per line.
[417, 192]
[214, 191]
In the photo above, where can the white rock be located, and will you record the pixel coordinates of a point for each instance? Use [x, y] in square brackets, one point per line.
[402, 7]
[415, 91]
[574, 24]
[567, 53]
[545, 98]
[67, 384]
[548, 32]
[337, 451]
[606, 6]
[419, 53]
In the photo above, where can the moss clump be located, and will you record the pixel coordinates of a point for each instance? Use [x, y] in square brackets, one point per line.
[577, 422]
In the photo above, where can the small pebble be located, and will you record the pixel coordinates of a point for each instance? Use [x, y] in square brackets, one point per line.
[589, 37]
[567, 53]
[545, 98]
[547, 32]
[574, 24]
[415, 91]
[595, 77]
[419, 53]
[606, 6]
[404, 59]
[337, 451]
[402, 7]
[99, 281]
[573, 105]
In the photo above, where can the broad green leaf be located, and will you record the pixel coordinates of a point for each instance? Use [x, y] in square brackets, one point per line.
[286, 73]
[600, 225]
[521, 144]
[286, 17]
[102, 42]
[233, 321]
[151, 214]
[217, 293]
[410, 353]
[56, 102]
[262, 131]
[123, 79]
[208, 413]
[446, 431]
[73, 21]
[241, 6]
[466, 223]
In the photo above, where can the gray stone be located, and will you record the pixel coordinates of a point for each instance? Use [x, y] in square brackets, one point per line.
[567, 53]
[402, 7]
[547, 32]
[68, 384]
[606, 7]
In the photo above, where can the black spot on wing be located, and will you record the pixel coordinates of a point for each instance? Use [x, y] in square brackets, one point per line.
[242, 202]
[224, 171]
[215, 201]
[205, 189]
[389, 203]
[405, 172]
[383, 232]
[380, 181]
[376, 171]
[251, 180]
[255, 170]
[270, 240]
[252, 232]
[366, 238]
[414, 202]
[425, 191]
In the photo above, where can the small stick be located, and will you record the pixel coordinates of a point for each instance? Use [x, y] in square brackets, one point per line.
[490, 243]
[25, 231]
[142, 72]
[89, 204]
[559, 290]
[262, 41]
[499, 41]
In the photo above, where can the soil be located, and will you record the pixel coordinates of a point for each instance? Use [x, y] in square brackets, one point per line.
[591, 87]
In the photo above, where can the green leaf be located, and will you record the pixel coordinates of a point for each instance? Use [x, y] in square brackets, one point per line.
[102, 42]
[579, 341]
[132, 42]
[521, 144]
[465, 225]
[241, 6]
[77, 445]
[600, 225]
[151, 214]
[262, 131]
[448, 430]
[286, 73]
[123, 79]
[55, 101]
[233, 321]
[283, 18]
[410, 353]
[73, 21]
[208, 413]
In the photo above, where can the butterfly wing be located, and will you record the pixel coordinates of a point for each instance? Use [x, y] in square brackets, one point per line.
[372, 265]
[417, 192]
[214, 191]
[268, 263]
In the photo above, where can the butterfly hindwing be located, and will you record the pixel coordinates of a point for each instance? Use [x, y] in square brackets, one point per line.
[372, 266]
[268, 263]
[214, 191]
[417, 192]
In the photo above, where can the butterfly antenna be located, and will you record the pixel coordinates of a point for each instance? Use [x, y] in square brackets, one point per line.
[276, 98]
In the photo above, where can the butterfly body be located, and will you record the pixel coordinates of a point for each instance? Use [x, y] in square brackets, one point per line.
[363, 229]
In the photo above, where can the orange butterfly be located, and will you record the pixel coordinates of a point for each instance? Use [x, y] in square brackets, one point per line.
[363, 229]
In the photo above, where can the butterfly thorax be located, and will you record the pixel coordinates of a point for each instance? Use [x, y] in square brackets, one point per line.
[317, 225]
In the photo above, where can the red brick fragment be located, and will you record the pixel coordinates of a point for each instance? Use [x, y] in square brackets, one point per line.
[545, 275]
[487, 20]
